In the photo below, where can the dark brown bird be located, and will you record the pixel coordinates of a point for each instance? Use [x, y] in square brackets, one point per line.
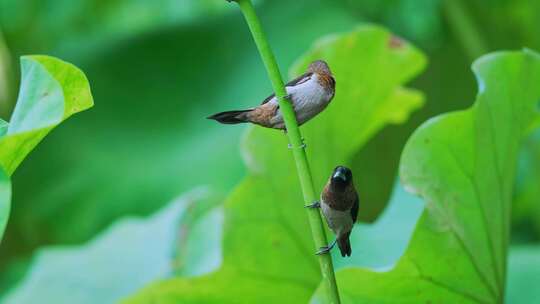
[339, 205]
[310, 94]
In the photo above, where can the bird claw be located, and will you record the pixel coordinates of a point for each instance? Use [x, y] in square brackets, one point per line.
[287, 97]
[315, 204]
[323, 250]
[302, 146]
[326, 249]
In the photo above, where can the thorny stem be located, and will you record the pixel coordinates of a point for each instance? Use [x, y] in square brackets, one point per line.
[295, 139]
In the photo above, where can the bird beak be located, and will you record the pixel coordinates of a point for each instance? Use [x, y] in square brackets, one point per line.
[340, 175]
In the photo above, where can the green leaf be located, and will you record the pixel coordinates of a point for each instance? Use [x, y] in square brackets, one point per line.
[267, 247]
[201, 230]
[125, 257]
[377, 177]
[51, 91]
[382, 243]
[523, 274]
[463, 165]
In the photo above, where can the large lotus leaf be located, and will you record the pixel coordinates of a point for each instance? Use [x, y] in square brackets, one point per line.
[463, 165]
[125, 257]
[383, 243]
[51, 91]
[267, 246]
[380, 245]
[502, 24]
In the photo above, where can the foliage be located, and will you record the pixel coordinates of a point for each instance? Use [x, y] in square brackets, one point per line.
[51, 91]
[267, 245]
[89, 25]
[150, 127]
[133, 251]
[463, 165]
[158, 68]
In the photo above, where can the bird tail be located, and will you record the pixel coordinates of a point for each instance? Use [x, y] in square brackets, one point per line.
[344, 244]
[231, 117]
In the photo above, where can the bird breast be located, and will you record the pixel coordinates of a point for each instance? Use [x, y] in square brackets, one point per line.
[309, 99]
[339, 221]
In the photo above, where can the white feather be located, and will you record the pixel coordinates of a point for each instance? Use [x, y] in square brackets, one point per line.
[339, 221]
[309, 99]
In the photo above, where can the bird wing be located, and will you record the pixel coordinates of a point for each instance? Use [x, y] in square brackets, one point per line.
[298, 80]
[354, 209]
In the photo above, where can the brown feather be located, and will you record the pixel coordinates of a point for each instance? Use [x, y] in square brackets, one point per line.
[339, 200]
[327, 81]
[262, 114]
[344, 244]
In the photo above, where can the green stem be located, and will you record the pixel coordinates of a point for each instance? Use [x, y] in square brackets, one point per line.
[295, 138]
[464, 29]
[5, 79]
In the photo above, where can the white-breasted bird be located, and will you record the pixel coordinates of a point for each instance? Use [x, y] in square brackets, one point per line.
[339, 205]
[309, 93]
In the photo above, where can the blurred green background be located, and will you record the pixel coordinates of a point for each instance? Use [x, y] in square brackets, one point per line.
[157, 68]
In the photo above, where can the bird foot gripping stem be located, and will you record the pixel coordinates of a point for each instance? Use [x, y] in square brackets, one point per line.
[315, 204]
[326, 249]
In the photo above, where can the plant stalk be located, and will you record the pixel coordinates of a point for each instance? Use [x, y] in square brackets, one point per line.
[295, 139]
[464, 29]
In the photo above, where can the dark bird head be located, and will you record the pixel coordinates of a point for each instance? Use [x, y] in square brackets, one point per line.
[319, 67]
[341, 177]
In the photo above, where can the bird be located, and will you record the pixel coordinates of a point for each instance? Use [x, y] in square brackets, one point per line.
[309, 93]
[339, 205]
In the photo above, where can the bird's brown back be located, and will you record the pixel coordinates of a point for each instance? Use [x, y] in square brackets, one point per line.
[262, 114]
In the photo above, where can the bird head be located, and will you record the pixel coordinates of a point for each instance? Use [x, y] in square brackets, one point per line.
[341, 177]
[319, 67]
